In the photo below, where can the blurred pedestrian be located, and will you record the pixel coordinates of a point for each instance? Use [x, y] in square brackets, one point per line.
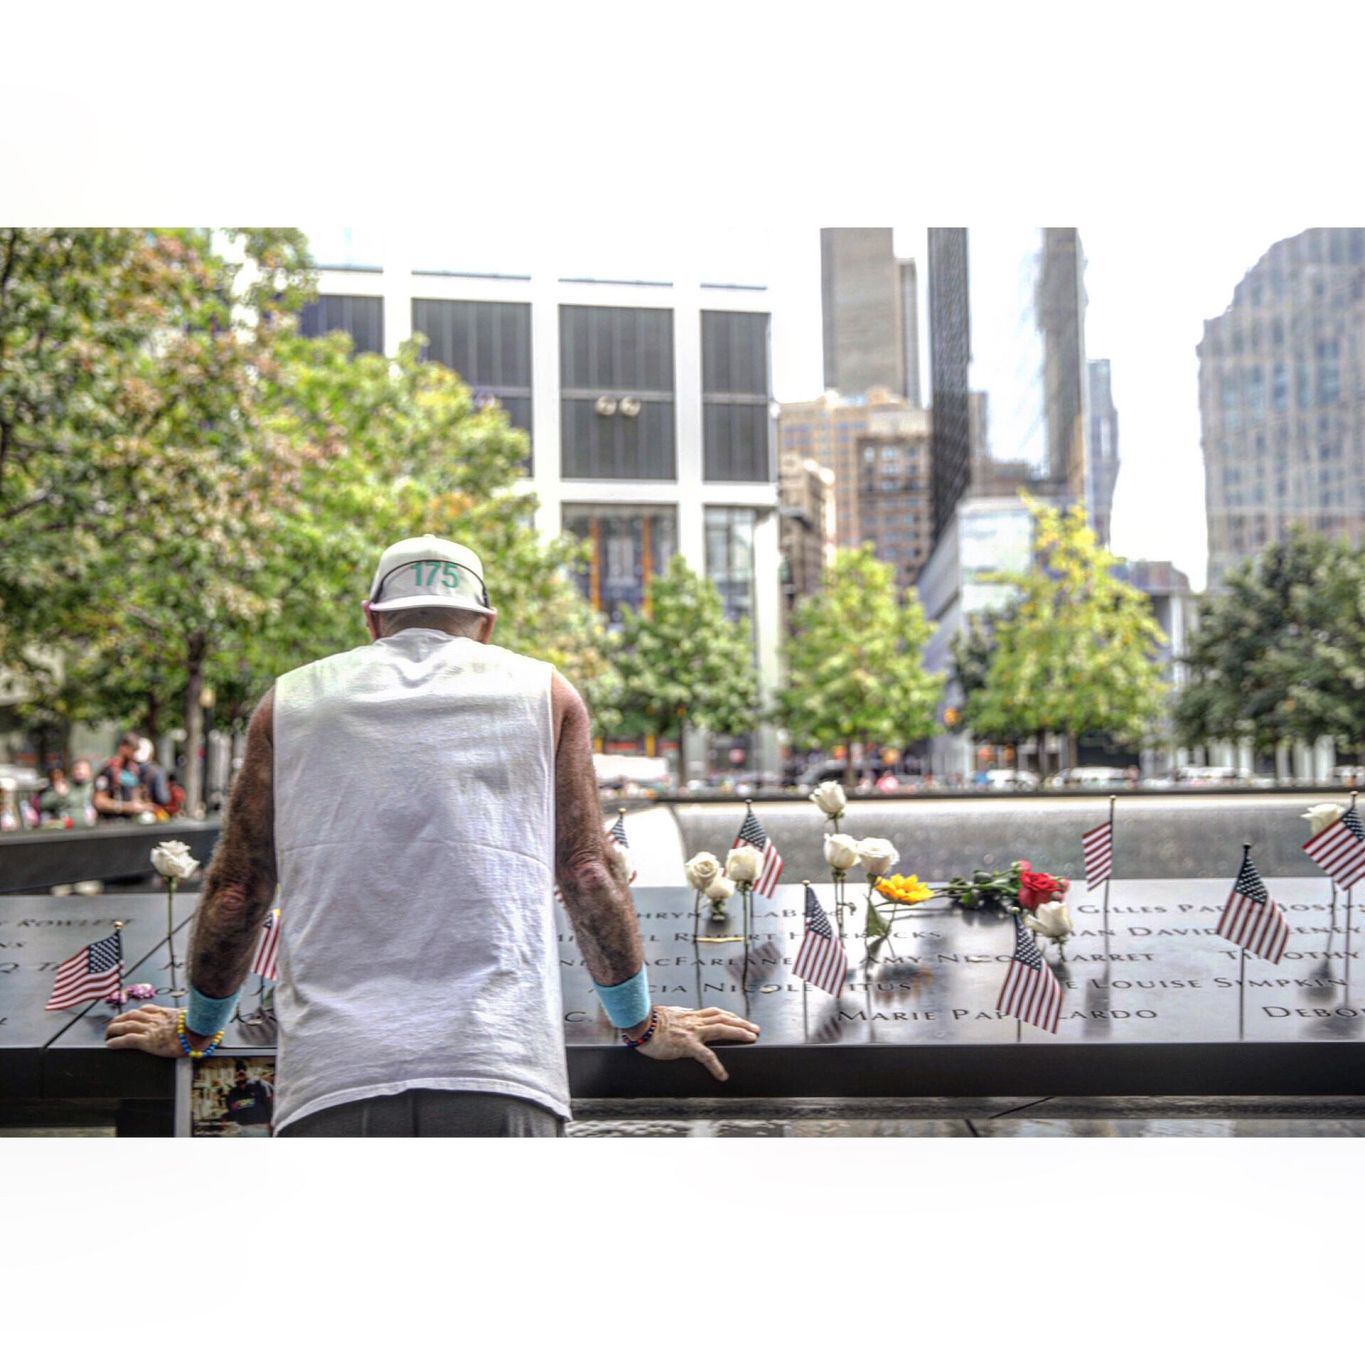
[121, 788]
[69, 800]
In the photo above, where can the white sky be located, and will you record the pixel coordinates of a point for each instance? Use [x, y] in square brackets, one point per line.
[716, 139]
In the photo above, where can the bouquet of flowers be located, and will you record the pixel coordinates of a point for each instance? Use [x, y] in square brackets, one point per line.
[1008, 892]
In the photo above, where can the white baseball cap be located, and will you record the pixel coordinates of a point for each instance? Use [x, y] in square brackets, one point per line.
[426, 571]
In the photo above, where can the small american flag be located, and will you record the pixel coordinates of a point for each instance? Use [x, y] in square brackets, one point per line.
[617, 834]
[821, 959]
[1251, 919]
[1340, 849]
[752, 832]
[1030, 992]
[268, 947]
[1098, 846]
[89, 974]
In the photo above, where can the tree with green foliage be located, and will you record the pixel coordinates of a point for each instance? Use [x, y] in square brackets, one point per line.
[972, 649]
[141, 477]
[1279, 654]
[1078, 648]
[855, 669]
[240, 483]
[684, 665]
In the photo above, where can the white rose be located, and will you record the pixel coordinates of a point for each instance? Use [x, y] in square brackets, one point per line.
[743, 863]
[829, 796]
[1319, 817]
[702, 871]
[1053, 920]
[721, 889]
[173, 859]
[841, 851]
[879, 856]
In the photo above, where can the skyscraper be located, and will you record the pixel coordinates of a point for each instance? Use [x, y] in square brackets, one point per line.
[1007, 335]
[870, 312]
[827, 430]
[909, 301]
[1281, 372]
[950, 356]
[1104, 448]
[1060, 313]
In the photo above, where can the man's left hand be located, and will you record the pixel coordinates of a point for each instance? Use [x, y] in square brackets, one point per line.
[150, 1028]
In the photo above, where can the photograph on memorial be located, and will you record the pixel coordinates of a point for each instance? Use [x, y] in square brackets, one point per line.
[232, 1096]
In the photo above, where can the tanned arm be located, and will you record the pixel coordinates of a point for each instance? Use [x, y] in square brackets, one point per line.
[240, 882]
[238, 890]
[595, 895]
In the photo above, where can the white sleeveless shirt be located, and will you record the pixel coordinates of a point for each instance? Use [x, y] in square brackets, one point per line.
[414, 839]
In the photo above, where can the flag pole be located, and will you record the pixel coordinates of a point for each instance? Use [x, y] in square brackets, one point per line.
[805, 985]
[1242, 975]
[746, 897]
[118, 990]
[1109, 877]
[1350, 897]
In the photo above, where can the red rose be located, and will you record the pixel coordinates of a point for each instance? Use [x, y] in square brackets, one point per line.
[1037, 888]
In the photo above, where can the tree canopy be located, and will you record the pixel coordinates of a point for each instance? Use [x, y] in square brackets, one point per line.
[1076, 651]
[683, 664]
[855, 668]
[192, 495]
[1279, 653]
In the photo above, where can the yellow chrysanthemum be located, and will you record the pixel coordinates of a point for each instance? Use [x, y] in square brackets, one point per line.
[906, 890]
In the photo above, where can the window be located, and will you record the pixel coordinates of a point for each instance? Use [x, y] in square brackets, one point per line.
[487, 344]
[629, 545]
[617, 353]
[1279, 387]
[1231, 396]
[1329, 374]
[359, 316]
[730, 557]
[1255, 392]
[735, 398]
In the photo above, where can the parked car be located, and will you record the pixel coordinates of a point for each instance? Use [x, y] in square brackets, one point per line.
[1091, 777]
[1010, 779]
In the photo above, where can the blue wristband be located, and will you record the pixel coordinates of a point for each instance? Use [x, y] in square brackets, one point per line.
[206, 1015]
[627, 1004]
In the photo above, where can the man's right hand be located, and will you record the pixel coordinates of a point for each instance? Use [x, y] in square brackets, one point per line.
[685, 1033]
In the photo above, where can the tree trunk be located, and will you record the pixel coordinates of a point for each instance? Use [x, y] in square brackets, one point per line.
[848, 764]
[1042, 753]
[194, 730]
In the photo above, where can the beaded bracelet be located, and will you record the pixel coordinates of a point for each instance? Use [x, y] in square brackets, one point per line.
[647, 1034]
[185, 1047]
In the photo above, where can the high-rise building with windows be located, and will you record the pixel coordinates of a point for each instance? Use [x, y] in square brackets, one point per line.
[870, 310]
[648, 405]
[1281, 386]
[950, 356]
[893, 491]
[828, 430]
[806, 491]
[1103, 449]
[1007, 335]
[1060, 318]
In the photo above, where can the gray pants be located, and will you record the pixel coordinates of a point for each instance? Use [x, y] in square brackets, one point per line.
[430, 1113]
